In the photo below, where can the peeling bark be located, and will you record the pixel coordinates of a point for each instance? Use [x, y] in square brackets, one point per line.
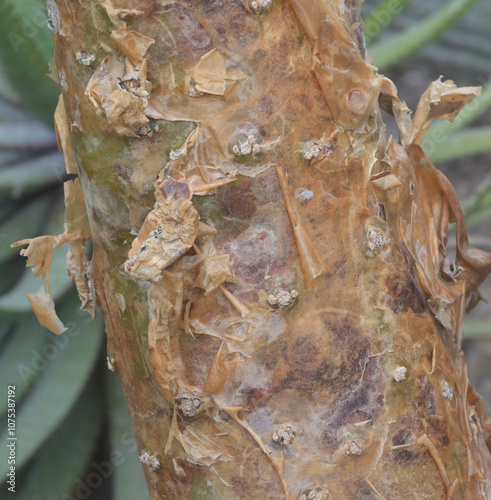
[291, 323]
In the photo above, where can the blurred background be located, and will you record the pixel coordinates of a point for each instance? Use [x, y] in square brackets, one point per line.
[75, 440]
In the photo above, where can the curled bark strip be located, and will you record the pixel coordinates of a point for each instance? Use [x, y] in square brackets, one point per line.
[435, 455]
[312, 261]
[425, 441]
[132, 44]
[165, 360]
[420, 207]
[372, 487]
[217, 376]
[442, 101]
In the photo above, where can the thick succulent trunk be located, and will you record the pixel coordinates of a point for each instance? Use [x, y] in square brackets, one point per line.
[279, 304]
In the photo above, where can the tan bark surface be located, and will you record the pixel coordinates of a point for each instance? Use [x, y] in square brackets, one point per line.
[279, 303]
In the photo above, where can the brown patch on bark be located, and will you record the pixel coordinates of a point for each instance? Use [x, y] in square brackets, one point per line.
[198, 354]
[426, 400]
[179, 190]
[253, 253]
[438, 432]
[123, 172]
[192, 39]
[403, 294]
[237, 200]
[255, 398]
[405, 456]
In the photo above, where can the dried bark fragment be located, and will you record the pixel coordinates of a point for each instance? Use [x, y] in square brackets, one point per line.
[80, 272]
[119, 15]
[428, 203]
[442, 101]
[208, 74]
[44, 308]
[168, 232]
[166, 364]
[419, 211]
[132, 44]
[119, 86]
[39, 253]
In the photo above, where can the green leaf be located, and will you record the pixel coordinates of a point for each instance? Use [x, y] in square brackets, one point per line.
[7, 92]
[128, 480]
[481, 197]
[62, 372]
[32, 174]
[26, 46]
[11, 157]
[11, 271]
[396, 48]
[26, 136]
[5, 210]
[10, 111]
[18, 358]
[477, 328]
[381, 17]
[64, 457]
[478, 217]
[471, 141]
[6, 332]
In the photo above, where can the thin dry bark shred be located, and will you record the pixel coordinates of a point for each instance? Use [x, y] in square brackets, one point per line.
[288, 265]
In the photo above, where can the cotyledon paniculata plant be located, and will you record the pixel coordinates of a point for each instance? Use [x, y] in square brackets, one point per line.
[280, 305]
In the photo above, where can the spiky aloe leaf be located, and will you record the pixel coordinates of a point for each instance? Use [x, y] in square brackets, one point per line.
[61, 370]
[17, 361]
[399, 46]
[128, 479]
[26, 46]
[59, 465]
[471, 141]
[382, 17]
[31, 174]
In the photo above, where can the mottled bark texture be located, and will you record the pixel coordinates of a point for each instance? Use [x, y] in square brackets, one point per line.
[280, 306]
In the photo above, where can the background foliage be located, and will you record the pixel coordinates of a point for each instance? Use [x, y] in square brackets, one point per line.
[73, 427]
